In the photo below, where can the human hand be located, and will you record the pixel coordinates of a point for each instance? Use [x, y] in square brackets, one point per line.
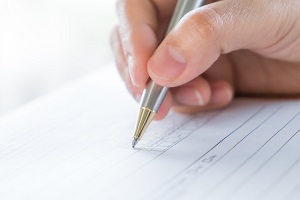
[249, 47]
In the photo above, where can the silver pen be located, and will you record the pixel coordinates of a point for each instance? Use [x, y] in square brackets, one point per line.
[154, 94]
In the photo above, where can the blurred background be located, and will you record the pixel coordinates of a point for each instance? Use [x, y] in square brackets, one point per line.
[46, 43]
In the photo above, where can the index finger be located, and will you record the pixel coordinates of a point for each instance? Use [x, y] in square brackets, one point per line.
[139, 25]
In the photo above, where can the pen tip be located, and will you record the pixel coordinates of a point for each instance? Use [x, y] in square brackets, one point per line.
[134, 142]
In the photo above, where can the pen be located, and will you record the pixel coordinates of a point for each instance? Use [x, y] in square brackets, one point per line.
[153, 95]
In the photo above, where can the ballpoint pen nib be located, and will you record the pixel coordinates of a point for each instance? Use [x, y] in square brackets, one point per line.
[145, 117]
[134, 142]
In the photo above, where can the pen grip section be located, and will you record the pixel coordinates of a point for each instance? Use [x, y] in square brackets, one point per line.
[153, 96]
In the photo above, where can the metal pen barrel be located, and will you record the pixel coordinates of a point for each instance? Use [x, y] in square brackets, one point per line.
[154, 94]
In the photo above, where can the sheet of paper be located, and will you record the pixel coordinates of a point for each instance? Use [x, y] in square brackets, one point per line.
[75, 144]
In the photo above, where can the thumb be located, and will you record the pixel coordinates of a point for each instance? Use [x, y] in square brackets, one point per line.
[202, 35]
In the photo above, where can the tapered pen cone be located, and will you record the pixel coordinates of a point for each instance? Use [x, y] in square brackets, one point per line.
[145, 117]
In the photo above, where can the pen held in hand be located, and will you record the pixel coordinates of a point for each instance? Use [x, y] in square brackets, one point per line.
[154, 94]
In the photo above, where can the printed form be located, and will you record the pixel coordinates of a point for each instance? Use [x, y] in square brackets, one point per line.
[76, 144]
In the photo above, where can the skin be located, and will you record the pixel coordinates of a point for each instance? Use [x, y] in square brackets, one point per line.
[224, 49]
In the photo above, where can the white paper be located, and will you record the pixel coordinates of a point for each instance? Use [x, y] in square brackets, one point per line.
[76, 144]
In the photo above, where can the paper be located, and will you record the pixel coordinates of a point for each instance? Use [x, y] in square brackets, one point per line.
[76, 144]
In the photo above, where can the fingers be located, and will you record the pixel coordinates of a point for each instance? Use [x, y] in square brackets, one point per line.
[123, 70]
[221, 94]
[138, 26]
[134, 40]
[259, 76]
[204, 34]
[197, 95]
[194, 93]
[122, 64]
[134, 27]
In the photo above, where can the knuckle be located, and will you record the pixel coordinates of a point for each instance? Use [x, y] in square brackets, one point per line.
[207, 24]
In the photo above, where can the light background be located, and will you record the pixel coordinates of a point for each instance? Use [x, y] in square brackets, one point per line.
[46, 43]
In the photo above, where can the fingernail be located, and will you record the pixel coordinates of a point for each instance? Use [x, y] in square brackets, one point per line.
[168, 63]
[130, 63]
[229, 93]
[220, 95]
[189, 96]
[199, 98]
[138, 97]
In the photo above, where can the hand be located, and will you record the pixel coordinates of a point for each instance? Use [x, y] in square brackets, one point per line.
[249, 47]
